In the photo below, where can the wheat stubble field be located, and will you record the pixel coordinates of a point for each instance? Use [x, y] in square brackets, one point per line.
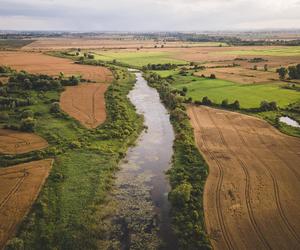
[19, 187]
[252, 195]
[15, 142]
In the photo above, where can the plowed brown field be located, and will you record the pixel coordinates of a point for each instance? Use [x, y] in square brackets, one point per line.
[15, 142]
[252, 194]
[85, 103]
[44, 64]
[19, 187]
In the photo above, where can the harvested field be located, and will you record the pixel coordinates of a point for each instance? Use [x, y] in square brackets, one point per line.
[44, 64]
[98, 43]
[252, 195]
[19, 187]
[16, 142]
[85, 103]
[240, 75]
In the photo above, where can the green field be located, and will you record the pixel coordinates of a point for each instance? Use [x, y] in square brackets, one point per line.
[249, 95]
[14, 43]
[138, 58]
[165, 73]
[280, 51]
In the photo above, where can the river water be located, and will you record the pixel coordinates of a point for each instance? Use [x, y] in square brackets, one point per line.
[141, 185]
[289, 121]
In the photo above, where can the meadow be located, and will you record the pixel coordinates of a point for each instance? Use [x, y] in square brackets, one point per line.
[138, 58]
[249, 95]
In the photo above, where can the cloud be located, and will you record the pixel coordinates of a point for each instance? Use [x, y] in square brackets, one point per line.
[142, 15]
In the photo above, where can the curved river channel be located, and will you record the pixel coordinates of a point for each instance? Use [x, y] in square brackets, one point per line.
[141, 185]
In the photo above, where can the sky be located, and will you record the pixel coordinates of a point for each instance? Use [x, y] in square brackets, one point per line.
[149, 15]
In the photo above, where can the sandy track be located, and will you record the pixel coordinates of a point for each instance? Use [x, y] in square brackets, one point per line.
[252, 195]
[44, 64]
[16, 142]
[86, 103]
[19, 187]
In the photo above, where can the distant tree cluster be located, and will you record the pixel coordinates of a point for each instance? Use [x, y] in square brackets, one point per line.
[166, 66]
[292, 71]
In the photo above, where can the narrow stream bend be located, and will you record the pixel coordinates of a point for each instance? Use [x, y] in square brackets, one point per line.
[141, 186]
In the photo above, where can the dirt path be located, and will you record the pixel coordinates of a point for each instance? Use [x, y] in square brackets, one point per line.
[16, 142]
[252, 195]
[19, 187]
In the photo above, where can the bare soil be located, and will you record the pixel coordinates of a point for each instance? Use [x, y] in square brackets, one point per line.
[19, 187]
[252, 194]
[16, 142]
[86, 103]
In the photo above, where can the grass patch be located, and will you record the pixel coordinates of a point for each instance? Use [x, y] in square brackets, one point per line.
[138, 58]
[249, 95]
[14, 43]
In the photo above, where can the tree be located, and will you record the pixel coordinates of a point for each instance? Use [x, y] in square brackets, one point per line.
[27, 113]
[212, 76]
[181, 194]
[236, 104]
[266, 67]
[184, 89]
[224, 103]
[28, 124]
[54, 107]
[15, 244]
[282, 71]
[206, 101]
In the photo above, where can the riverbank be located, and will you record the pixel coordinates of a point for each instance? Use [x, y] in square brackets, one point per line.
[187, 174]
[65, 214]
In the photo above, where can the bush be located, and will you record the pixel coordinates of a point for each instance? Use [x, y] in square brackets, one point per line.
[4, 116]
[224, 103]
[27, 113]
[235, 104]
[212, 76]
[268, 106]
[28, 124]
[15, 244]
[181, 194]
[206, 101]
[55, 108]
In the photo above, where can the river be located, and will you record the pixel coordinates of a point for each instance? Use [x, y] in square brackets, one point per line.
[141, 185]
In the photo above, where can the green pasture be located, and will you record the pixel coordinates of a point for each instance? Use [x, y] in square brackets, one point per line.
[138, 58]
[249, 96]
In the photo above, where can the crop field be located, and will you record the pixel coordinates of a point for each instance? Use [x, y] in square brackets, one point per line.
[108, 43]
[249, 95]
[251, 197]
[15, 142]
[14, 43]
[85, 103]
[240, 75]
[281, 51]
[19, 187]
[44, 64]
[139, 58]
